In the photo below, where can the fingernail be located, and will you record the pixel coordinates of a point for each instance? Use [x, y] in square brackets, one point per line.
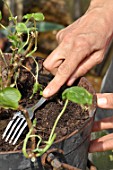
[46, 92]
[102, 101]
[71, 81]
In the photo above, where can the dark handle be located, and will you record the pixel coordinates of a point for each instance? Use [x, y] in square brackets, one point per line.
[57, 165]
[50, 158]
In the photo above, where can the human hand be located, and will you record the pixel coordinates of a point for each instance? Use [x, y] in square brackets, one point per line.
[82, 45]
[104, 143]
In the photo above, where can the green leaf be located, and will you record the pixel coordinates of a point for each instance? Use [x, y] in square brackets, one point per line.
[13, 37]
[12, 18]
[21, 28]
[0, 15]
[41, 92]
[36, 87]
[78, 95]
[14, 40]
[37, 16]
[9, 98]
[27, 16]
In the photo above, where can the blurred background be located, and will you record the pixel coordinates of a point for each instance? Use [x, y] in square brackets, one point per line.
[58, 14]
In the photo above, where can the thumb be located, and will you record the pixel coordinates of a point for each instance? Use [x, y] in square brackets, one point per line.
[105, 100]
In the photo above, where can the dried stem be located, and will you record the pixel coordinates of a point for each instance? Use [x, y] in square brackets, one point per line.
[31, 43]
[29, 125]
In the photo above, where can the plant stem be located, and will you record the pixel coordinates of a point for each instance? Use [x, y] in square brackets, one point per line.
[29, 46]
[3, 26]
[27, 41]
[1, 83]
[53, 135]
[30, 125]
[10, 12]
[25, 143]
[47, 146]
[28, 70]
[56, 121]
[37, 69]
[3, 58]
[36, 41]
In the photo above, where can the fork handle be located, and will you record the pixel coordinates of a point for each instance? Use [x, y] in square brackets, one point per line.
[39, 103]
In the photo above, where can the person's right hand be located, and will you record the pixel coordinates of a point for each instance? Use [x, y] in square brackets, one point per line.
[104, 143]
[82, 45]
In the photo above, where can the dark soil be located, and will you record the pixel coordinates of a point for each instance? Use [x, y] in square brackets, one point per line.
[73, 118]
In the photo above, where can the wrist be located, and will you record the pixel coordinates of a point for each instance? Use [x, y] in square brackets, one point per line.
[102, 4]
[103, 11]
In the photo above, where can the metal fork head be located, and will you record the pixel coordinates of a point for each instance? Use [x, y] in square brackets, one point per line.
[14, 128]
[18, 123]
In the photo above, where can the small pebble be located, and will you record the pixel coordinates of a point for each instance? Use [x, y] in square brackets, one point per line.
[64, 131]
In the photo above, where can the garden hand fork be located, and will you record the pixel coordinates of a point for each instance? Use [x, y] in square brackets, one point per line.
[18, 123]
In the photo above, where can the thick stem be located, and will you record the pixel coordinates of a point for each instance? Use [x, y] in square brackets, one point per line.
[30, 125]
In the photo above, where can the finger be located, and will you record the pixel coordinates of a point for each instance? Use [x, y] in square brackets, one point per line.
[102, 144]
[54, 60]
[62, 74]
[105, 100]
[65, 70]
[104, 124]
[86, 65]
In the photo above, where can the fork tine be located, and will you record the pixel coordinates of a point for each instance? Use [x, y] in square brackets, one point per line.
[10, 124]
[12, 129]
[18, 123]
[17, 129]
[20, 132]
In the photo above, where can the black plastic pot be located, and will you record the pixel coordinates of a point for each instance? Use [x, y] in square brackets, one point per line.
[70, 150]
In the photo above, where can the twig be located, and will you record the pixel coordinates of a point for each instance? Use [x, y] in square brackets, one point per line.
[30, 125]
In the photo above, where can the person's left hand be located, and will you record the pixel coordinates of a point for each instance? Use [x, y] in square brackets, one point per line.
[104, 143]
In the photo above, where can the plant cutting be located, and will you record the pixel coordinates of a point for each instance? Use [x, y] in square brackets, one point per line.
[74, 94]
[13, 84]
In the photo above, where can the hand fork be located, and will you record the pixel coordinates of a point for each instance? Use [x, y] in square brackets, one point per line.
[18, 123]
